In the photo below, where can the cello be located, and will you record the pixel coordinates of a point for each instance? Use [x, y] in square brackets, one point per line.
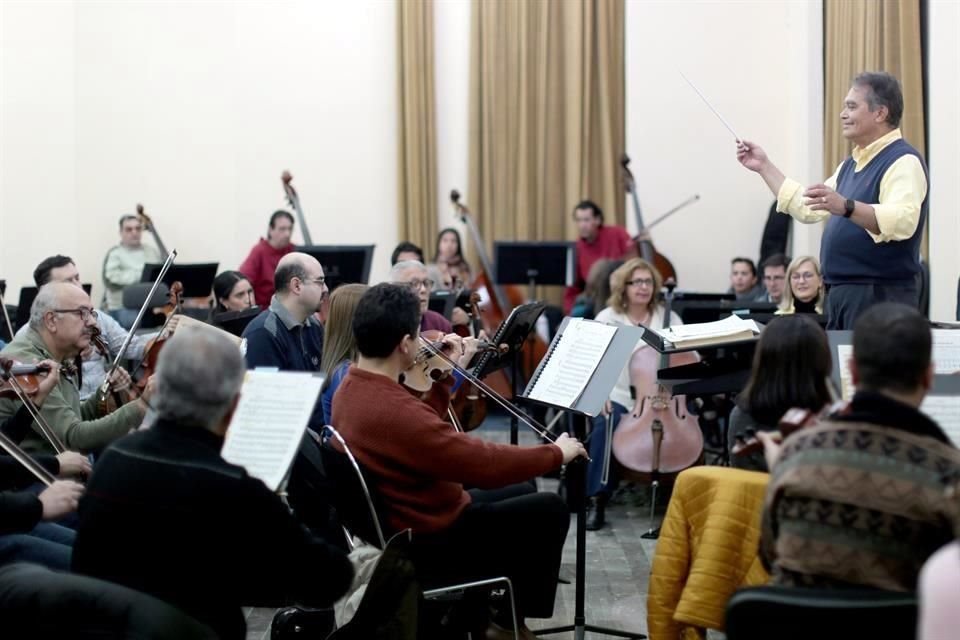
[663, 438]
[644, 246]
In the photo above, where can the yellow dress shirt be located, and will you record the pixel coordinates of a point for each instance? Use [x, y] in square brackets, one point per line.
[902, 190]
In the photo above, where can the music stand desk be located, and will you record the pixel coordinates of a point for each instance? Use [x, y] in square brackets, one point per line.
[197, 278]
[342, 263]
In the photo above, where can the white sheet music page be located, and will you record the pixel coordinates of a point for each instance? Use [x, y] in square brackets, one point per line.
[274, 409]
[844, 355]
[945, 411]
[571, 365]
[946, 350]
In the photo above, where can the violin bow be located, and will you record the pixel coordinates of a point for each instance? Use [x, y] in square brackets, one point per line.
[104, 389]
[45, 430]
[6, 316]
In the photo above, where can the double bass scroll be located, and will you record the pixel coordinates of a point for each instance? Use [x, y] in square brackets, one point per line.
[645, 248]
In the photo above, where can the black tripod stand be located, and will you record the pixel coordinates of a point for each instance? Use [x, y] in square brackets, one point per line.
[576, 475]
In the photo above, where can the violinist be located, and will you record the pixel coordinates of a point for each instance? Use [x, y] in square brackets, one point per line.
[634, 300]
[61, 322]
[62, 269]
[286, 335]
[596, 240]
[28, 532]
[790, 366]
[419, 465]
[859, 498]
[413, 275]
[264, 258]
[123, 266]
[448, 256]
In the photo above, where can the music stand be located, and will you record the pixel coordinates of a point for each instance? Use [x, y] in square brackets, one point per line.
[197, 279]
[590, 403]
[443, 302]
[512, 332]
[27, 296]
[533, 263]
[235, 322]
[342, 264]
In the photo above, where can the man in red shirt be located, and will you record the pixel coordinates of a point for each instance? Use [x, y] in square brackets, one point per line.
[262, 261]
[419, 464]
[596, 241]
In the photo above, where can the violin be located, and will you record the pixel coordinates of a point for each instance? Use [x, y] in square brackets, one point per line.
[644, 247]
[469, 405]
[664, 437]
[151, 353]
[148, 225]
[117, 397]
[21, 381]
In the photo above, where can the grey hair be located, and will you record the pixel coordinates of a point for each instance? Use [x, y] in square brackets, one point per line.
[400, 267]
[198, 376]
[46, 300]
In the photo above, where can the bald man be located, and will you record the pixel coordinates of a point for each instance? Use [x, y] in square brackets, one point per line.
[61, 320]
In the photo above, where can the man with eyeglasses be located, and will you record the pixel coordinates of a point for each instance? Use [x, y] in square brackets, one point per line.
[414, 275]
[287, 336]
[123, 267]
[61, 320]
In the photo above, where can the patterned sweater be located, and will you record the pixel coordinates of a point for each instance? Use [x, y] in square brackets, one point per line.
[859, 499]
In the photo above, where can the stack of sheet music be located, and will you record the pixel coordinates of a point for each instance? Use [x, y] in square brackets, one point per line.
[729, 329]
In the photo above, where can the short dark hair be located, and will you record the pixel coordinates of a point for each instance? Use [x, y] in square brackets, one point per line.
[884, 92]
[405, 247]
[385, 314]
[280, 213]
[891, 348]
[127, 216]
[746, 261]
[776, 260]
[790, 368]
[41, 275]
[592, 206]
[284, 274]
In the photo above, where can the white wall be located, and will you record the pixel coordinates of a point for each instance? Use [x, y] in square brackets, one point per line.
[758, 62]
[943, 155]
[194, 109]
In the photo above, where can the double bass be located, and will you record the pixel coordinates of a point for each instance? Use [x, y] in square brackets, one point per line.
[663, 438]
[644, 246]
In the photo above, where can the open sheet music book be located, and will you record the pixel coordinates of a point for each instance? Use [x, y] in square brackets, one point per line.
[571, 362]
[266, 429]
[730, 329]
[945, 411]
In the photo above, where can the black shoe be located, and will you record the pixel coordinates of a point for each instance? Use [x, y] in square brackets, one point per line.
[595, 512]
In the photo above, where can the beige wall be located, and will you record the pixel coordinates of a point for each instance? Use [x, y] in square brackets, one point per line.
[194, 109]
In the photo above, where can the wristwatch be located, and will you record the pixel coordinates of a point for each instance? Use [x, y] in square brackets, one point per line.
[848, 208]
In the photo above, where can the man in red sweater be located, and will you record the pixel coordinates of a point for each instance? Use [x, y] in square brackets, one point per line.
[262, 261]
[419, 464]
[596, 241]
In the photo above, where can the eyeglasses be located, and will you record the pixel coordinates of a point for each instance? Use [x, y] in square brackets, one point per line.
[85, 313]
[318, 281]
[806, 275]
[415, 285]
[639, 282]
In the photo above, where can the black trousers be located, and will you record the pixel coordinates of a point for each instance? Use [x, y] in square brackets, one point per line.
[507, 532]
[845, 302]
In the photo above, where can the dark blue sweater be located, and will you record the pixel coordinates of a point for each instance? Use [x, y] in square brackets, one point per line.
[848, 255]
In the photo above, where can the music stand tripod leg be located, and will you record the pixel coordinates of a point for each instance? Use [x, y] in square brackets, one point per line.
[577, 473]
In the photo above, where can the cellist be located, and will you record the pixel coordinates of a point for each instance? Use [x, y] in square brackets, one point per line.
[595, 241]
[634, 300]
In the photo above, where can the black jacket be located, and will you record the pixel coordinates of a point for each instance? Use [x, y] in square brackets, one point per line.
[165, 514]
[20, 511]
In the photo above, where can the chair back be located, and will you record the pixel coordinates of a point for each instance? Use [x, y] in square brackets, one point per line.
[357, 506]
[792, 613]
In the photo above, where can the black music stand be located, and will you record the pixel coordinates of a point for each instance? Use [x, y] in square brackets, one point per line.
[235, 322]
[197, 278]
[342, 264]
[533, 263]
[512, 332]
[588, 404]
[443, 302]
[27, 296]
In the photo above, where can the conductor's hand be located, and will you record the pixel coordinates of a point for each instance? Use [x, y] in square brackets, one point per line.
[60, 498]
[570, 447]
[73, 464]
[820, 197]
[751, 155]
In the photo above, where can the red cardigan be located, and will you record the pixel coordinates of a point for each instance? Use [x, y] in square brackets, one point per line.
[259, 267]
[419, 462]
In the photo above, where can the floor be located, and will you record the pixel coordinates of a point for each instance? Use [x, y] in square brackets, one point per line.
[617, 565]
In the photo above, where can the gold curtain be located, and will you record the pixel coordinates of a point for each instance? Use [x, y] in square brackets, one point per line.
[871, 35]
[417, 137]
[546, 114]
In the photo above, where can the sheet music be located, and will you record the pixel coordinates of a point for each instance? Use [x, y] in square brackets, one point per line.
[571, 365]
[945, 411]
[730, 325]
[844, 355]
[946, 350]
[274, 409]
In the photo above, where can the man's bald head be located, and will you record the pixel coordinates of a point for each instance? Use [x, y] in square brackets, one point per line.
[63, 314]
[295, 265]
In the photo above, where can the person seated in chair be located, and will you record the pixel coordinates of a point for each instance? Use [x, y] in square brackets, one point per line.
[804, 292]
[165, 514]
[859, 498]
[419, 465]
